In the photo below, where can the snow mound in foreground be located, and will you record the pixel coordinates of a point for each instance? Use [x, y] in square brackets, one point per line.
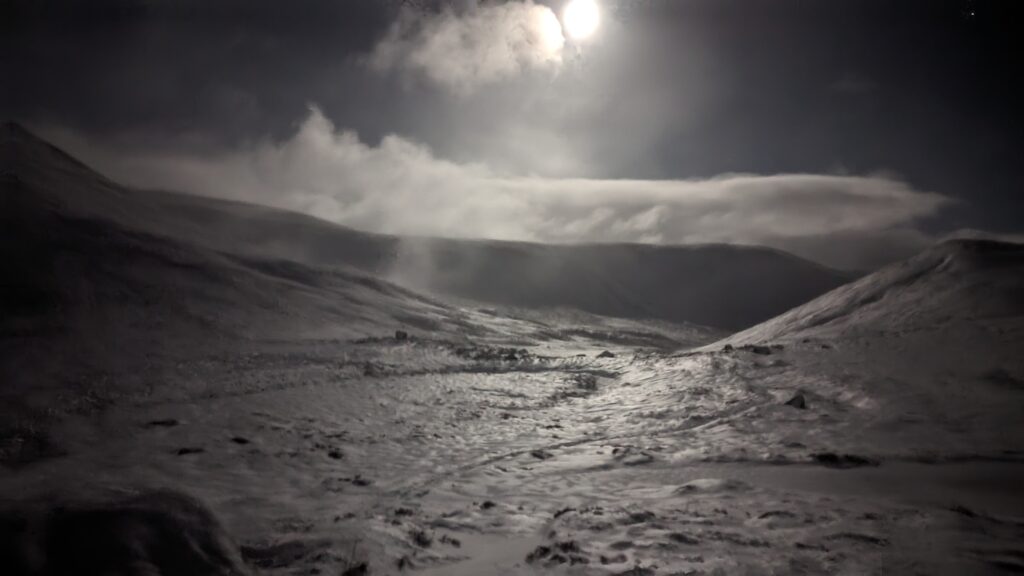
[157, 533]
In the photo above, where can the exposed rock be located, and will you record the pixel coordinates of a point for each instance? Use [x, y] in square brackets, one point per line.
[541, 454]
[832, 460]
[453, 542]
[422, 538]
[538, 553]
[617, 559]
[797, 401]
[681, 538]
[564, 511]
[862, 538]
[163, 423]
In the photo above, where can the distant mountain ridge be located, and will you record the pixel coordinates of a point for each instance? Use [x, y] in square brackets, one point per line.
[723, 286]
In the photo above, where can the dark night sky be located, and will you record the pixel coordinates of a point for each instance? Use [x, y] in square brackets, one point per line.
[921, 98]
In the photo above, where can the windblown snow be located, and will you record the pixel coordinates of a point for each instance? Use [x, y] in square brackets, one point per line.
[192, 386]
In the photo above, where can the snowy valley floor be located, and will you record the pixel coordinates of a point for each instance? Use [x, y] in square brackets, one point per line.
[428, 457]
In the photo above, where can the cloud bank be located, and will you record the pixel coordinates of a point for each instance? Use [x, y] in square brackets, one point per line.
[483, 45]
[401, 187]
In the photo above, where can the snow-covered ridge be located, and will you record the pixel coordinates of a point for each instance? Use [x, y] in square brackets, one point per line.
[955, 282]
[701, 284]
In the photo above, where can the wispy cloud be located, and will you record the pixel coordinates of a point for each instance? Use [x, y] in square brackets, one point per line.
[481, 45]
[401, 187]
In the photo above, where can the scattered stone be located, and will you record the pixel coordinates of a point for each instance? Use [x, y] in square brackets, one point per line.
[727, 348]
[587, 382]
[422, 539]
[797, 401]
[487, 505]
[541, 454]
[568, 547]
[639, 517]
[401, 335]
[491, 353]
[240, 440]
[558, 553]
[777, 514]
[757, 349]
[404, 512]
[335, 454]
[454, 542]
[617, 559]
[606, 354]
[564, 511]
[360, 481]
[864, 538]
[632, 456]
[538, 553]
[842, 461]
[164, 423]
[190, 450]
[681, 538]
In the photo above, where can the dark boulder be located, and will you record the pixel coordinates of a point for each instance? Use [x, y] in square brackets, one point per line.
[797, 401]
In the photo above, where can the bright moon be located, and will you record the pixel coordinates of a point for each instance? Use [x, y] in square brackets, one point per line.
[581, 18]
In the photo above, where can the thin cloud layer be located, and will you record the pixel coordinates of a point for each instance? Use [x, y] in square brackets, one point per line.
[400, 187]
[483, 45]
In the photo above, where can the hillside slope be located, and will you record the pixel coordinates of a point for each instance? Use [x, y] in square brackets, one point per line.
[957, 283]
[702, 284]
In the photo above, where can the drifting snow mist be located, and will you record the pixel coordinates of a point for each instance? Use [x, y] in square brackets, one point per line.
[401, 187]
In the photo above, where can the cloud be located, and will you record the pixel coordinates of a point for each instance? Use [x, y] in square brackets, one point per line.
[974, 234]
[401, 187]
[482, 45]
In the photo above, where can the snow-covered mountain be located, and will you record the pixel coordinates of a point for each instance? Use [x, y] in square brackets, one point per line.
[109, 291]
[246, 359]
[929, 352]
[955, 284]
[702, 284]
